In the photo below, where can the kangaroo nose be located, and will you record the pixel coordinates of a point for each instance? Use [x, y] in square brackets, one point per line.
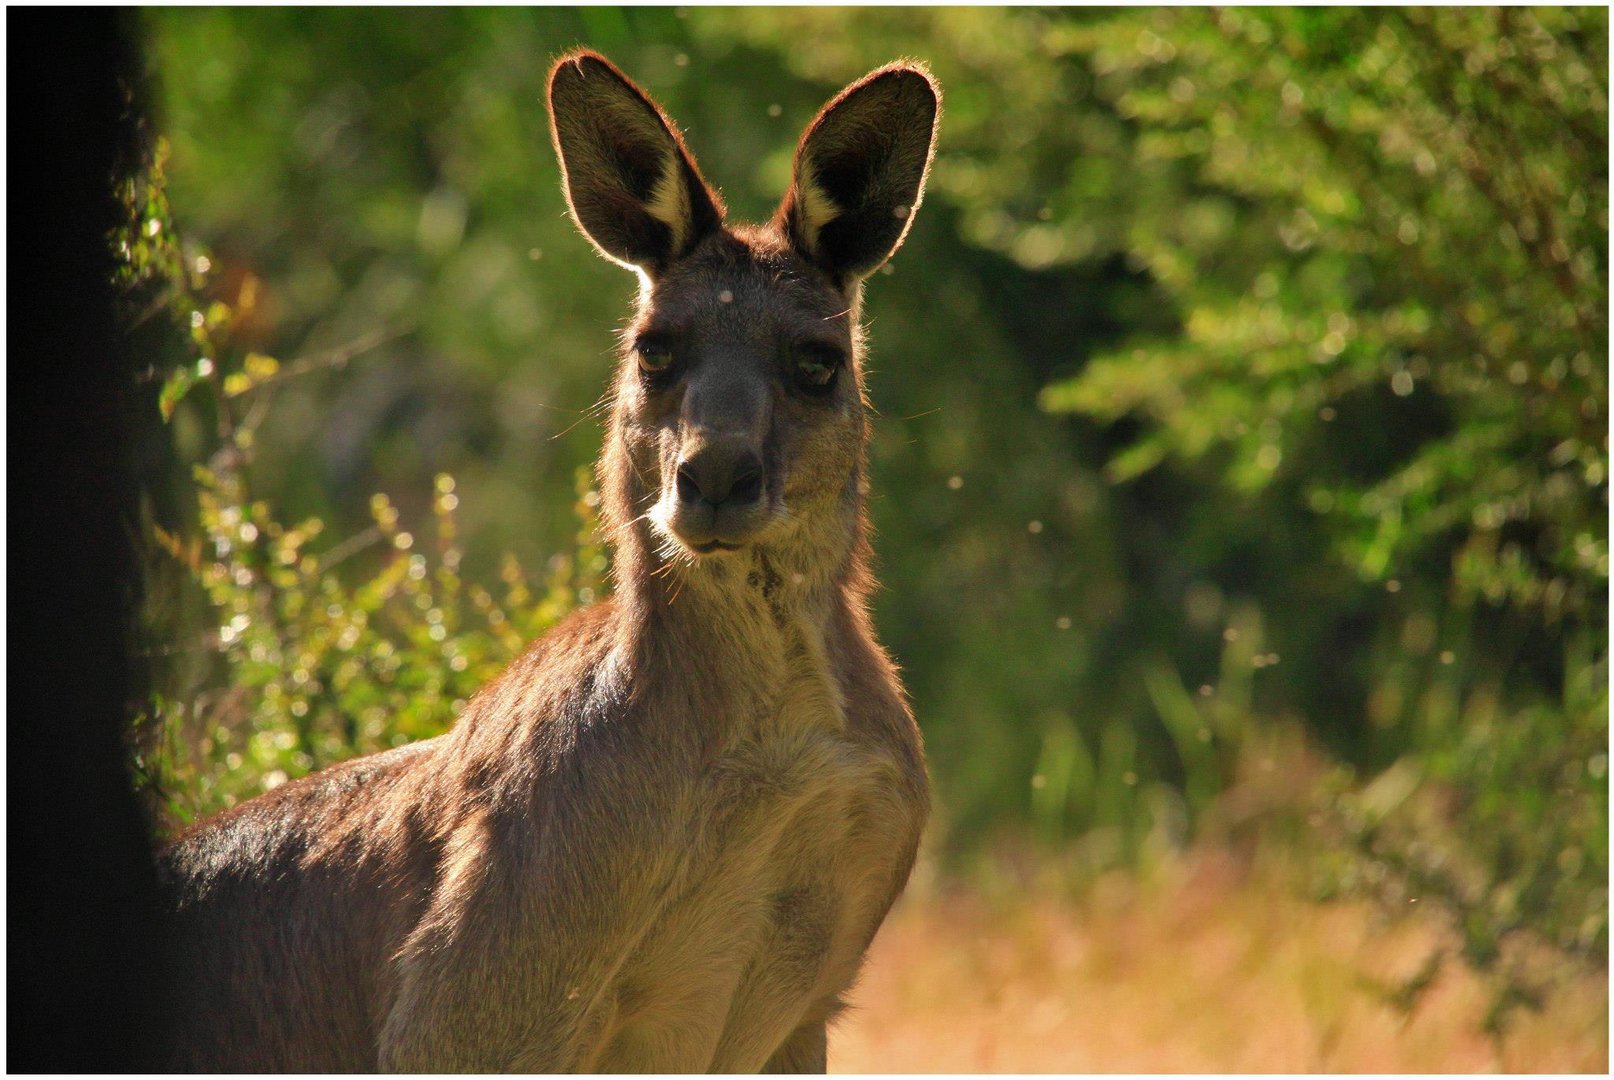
[721, 476]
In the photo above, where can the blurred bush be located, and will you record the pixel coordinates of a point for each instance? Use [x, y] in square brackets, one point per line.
[1241, 463]
[297, 664]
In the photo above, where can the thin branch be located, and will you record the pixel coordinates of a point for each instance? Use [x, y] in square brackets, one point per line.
[350, 547]
[336, 357]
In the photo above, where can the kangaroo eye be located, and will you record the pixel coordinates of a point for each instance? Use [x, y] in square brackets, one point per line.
[655, 357]
[816, 368]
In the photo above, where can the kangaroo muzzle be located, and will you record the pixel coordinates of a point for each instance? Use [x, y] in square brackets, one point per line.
[719, 493]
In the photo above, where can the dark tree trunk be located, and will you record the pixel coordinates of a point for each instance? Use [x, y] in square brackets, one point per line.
[85, 948]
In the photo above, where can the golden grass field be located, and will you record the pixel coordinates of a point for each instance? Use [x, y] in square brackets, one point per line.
[1209, 968]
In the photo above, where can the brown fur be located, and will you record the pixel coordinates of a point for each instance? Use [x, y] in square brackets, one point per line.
[663, 839]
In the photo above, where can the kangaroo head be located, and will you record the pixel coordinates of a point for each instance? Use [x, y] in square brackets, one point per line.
[739, 408]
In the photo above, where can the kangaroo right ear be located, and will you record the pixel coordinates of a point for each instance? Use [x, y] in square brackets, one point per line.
[860, 171]
[633, 188]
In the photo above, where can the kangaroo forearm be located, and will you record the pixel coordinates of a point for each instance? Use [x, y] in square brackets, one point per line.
[468, 1022]
[806, 1051]
[530, 990]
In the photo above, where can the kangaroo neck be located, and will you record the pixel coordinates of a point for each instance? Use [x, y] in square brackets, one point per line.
[745, 602]
[743, 614]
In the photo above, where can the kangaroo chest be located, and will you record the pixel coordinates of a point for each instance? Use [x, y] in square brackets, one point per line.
[798, 838]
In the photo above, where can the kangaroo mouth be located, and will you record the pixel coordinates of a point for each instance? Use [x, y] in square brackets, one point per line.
[712, 546]
[705, 530]
[708, 542]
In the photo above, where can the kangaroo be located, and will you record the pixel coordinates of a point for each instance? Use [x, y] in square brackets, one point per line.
[663, 839]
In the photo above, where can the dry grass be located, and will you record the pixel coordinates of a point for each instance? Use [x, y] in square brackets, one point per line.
[1208, 969]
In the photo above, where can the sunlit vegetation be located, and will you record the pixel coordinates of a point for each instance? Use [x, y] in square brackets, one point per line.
[1210, 966]
[311, 661]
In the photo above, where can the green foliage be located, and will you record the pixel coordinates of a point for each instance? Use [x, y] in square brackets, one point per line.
[1409, 255]
[315, 660]
[316, 669]
[1399, 216]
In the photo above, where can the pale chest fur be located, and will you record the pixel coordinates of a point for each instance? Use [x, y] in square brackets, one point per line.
[798, 834]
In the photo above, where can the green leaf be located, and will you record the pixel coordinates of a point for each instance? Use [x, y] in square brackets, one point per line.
[175, 387]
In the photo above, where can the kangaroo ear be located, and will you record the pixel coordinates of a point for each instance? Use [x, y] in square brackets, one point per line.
[631, 183]
[860, 171]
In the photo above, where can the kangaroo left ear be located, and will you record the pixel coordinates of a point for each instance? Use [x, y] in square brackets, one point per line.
[633, 186]
[860, 172]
